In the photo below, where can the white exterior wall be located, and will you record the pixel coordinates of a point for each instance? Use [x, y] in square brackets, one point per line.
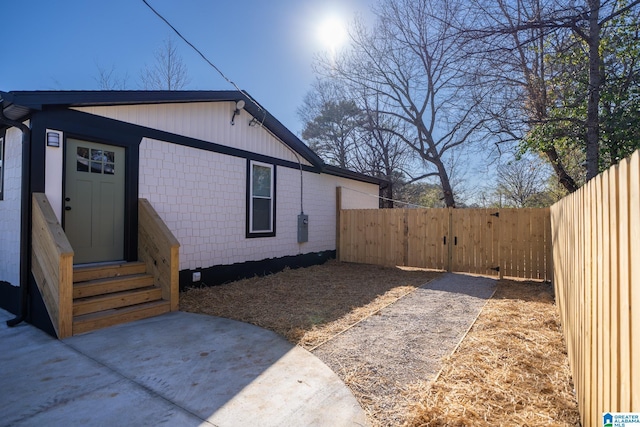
[10, 208]
[206, 121]
[201, 196]
[54, 172]
[359, 195]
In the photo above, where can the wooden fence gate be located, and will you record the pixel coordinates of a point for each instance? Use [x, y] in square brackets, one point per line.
[497, 242]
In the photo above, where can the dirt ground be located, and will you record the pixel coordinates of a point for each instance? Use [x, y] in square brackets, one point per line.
[511, 366]
[308, 306]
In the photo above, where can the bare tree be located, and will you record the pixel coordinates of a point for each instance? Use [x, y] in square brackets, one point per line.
[381, 152]
[168, 72]
[521, 183]
[108, 79]
[412, 63]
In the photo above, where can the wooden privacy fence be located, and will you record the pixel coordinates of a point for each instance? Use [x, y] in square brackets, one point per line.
[596, 250]
[498, 242]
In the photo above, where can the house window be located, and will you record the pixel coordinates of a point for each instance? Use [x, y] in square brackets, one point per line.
[1, 167]
[261, 206]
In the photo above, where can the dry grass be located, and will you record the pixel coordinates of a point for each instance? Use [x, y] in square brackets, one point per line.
[308, 306]
[511, 369]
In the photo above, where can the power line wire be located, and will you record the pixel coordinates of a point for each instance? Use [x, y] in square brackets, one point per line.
[233, 84]
[237, 88]
[202, 55]
[385, 198]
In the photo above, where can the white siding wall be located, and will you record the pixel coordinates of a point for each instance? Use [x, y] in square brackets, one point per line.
[206, 121]
[358, 195]
[10, 209]
[53, 175]
[201, 196]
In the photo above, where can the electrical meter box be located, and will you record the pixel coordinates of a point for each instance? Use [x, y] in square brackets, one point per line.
[303, 228]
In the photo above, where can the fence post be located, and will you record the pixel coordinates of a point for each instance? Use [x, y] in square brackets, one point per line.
[338, 209]
[449, 244]
[498, 232]
[405, 238]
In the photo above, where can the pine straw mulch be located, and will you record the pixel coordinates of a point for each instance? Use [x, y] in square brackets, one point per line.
[308, 306]
[511, 369]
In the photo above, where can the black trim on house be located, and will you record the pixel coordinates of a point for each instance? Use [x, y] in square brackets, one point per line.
[9, 297]
[104, 133]
[3, 134]
[20, 105]
[98, 127]
[346, 173]
[221, 274]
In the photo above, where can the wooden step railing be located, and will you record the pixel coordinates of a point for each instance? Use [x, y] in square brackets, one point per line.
[52, 265]
[159, 249]
[52, 260]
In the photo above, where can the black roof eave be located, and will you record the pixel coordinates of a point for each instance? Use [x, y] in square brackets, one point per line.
[346, 173]
[19, 105]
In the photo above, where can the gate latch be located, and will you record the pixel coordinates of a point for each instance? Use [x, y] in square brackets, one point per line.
[495, 269]
[497, 214]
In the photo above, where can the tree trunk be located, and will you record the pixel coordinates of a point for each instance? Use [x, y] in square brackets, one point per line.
[595, 81]
[564, 178]
[447, 191]
[386, 194]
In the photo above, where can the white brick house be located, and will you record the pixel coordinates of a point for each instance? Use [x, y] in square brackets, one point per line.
[229, 182]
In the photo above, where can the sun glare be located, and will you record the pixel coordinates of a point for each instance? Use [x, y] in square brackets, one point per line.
[332, 33]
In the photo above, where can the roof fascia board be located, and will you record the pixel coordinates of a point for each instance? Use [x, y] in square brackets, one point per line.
[36, 100]
[346, 173]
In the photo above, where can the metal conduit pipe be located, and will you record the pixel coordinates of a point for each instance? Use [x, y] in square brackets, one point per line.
[25, 215]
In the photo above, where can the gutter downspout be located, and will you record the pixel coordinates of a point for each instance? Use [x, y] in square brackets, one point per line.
[25, 216]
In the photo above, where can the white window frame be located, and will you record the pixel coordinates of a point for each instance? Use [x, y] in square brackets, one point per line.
[251, 197]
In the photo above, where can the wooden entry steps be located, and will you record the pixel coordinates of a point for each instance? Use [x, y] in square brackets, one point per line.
[107, 295]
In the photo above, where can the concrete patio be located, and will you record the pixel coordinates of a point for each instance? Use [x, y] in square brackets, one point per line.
[176, 369]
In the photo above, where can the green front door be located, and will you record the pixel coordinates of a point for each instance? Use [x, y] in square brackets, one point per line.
[94, 201]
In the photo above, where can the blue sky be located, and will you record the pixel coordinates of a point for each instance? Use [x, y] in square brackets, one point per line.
[265, 47]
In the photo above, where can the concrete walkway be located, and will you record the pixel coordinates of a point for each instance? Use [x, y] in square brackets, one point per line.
[179, 369]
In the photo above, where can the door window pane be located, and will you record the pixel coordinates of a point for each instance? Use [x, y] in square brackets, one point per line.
[82, 159]
[97, 159]
[109, 166]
